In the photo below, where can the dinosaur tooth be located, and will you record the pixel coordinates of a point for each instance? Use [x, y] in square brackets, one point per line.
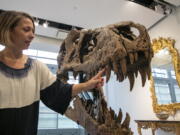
[91, 42]
[131, 58]
[115, 67]
[123, 66]
[94, 72]
[108, 119]
[117, 77]
[120, 76]
[151, 54]
[97, 70]
[119, 117]
[143, 76]
[91, 74]
[112, 113]
[131, 80]
[148, 72]
[136, 72]
[135, 56]
[75, 74]
[146, 54]
[126, 122]
[108, 73]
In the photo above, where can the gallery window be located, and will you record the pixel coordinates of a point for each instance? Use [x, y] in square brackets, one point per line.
[49, 119]
[166, 87]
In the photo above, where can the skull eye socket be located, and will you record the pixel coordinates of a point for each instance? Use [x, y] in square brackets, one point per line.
[87, 46]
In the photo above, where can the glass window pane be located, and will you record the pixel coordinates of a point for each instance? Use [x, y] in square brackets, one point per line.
[44, 109]
[157, 72]
[161, 88]
[177, 91]
[173, 74]
[64, 122]
[47, 121]
[46, 54]
[30, 52]
[162, 93]
[53, 68]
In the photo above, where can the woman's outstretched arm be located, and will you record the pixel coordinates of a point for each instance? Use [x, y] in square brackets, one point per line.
[95, 82]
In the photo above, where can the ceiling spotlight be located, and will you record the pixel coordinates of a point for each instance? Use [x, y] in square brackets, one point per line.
[36, 22]
[45, 24]
[168, 11]
[159, 9]
[73, 28]
[157, 5]
[146, 3]
[163, 9]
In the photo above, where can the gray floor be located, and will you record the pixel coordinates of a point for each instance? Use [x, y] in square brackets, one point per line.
[61, 132]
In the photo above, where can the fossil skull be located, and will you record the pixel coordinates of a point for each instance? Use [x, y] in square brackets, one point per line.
[116, 48]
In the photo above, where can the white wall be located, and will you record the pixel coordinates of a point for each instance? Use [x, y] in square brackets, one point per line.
[138, 103]
[170, 27]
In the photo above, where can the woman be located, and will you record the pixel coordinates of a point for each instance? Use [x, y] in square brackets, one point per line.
[24, 81]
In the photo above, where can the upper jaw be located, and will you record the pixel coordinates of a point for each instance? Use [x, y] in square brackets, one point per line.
[111, 50]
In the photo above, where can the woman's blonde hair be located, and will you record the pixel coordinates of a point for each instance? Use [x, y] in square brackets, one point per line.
[8, 21]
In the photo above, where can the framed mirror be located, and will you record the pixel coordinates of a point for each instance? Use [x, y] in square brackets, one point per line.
[165, 77]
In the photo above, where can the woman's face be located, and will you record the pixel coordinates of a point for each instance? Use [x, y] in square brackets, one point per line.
[22, 35]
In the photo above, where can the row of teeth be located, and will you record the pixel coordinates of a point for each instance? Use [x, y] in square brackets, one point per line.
[107, 117]
[122, 70]
[112, 124]
[119, 65]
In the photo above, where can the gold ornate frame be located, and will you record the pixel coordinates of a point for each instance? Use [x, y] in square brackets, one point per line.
[157, 45]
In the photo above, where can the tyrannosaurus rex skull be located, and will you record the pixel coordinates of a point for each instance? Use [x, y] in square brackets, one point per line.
[116, 48]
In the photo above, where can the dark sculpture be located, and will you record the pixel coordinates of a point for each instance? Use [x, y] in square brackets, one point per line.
[116, 48]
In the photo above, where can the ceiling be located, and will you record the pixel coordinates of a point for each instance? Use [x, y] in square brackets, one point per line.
[174, 2]
[85, 13]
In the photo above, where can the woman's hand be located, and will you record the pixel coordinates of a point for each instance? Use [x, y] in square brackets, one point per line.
[96, 82]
